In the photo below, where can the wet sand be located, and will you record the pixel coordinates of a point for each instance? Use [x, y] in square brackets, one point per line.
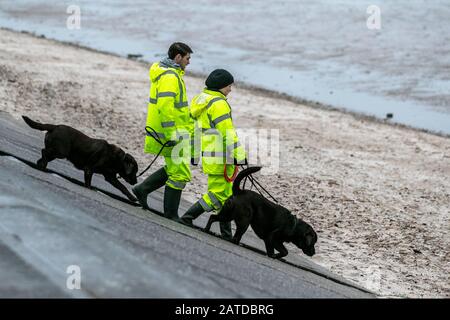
[318, 50]
[378, 195]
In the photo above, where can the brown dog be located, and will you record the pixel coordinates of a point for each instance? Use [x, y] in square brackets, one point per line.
[87, 154]
[271, 222]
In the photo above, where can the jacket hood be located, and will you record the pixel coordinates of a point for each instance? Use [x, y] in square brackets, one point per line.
[159, 67]
[200, 102]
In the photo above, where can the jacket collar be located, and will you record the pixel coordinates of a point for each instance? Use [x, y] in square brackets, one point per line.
[214, 93]
[169, 63]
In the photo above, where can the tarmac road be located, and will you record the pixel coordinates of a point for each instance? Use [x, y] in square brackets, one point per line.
[48, 223]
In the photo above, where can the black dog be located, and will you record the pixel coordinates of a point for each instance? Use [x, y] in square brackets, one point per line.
[87, 154]
[271, 222]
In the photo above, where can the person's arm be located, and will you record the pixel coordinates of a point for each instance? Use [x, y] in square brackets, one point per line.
[167, 93]
[221, 118]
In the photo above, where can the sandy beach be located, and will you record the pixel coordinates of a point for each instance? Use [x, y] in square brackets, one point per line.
[378, 194]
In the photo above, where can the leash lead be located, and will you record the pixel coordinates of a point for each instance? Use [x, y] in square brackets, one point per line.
[163, 145]
[255, 182]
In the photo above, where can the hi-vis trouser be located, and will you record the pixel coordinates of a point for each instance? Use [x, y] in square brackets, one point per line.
[219, 190]
[178, 164]
[178, 173]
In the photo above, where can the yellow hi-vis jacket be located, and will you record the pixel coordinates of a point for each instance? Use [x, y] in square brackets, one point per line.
[168, 112]
[213, 123]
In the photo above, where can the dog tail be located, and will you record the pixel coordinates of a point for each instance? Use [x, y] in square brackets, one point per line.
[242, 175]
[37, 125]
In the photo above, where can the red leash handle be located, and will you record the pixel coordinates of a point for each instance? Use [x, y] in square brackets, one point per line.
[236, 169]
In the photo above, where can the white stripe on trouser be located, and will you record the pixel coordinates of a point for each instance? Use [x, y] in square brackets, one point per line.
[177, 184]
[205, 205]
[215, 201]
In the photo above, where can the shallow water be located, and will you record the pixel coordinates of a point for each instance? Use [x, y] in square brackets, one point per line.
[317, 50]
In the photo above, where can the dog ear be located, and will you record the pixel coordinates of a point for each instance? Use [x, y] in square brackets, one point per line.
[119, 154]
[129, 164]
[308, 239]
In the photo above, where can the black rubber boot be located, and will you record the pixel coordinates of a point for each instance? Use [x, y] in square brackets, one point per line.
[225, 230]
[193, 213]
[155, 181]
[171, 203]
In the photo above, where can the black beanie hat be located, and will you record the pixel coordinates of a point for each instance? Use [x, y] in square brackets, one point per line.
[219, 79]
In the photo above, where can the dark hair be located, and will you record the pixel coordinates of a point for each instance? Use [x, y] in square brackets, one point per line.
[178, 48]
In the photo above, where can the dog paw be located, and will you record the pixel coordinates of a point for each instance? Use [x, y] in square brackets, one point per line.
[276, 256]
[41, 164]
[235, 241]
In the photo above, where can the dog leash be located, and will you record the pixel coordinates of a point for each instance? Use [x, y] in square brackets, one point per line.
[163, 145]
[255, 182]
[153, 161]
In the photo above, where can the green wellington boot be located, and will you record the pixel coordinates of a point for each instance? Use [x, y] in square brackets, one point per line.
[193, 213]
[171, 203]
[155, 181]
